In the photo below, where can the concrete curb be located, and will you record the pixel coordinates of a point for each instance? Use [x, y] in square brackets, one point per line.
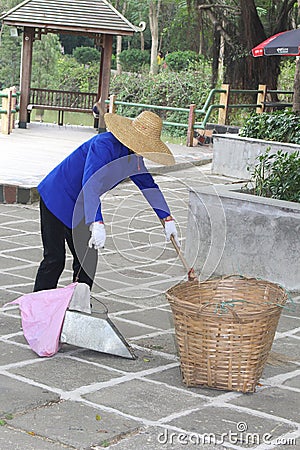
[11, 194]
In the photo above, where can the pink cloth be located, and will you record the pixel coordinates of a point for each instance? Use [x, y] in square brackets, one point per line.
[42, 315]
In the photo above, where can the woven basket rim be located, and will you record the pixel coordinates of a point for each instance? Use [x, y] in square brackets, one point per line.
[238, 306]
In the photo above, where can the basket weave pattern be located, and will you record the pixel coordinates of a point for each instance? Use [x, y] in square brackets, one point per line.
[225, 329]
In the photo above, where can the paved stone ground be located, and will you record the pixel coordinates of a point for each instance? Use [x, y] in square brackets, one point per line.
[80, 399]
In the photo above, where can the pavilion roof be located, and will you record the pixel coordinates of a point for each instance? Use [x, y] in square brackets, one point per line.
[74, 16]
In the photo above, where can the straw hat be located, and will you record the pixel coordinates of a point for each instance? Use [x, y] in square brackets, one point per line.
[141, 135]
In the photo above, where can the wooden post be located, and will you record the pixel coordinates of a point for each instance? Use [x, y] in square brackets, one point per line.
[13, 106]
[191, 123]
[104, 77]
[3, 116]
[224, 100]
[26, 63]
[6, 118]
[261, 98]
[112, 106]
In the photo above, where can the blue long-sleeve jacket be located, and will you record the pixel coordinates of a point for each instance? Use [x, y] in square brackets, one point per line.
[72, 190]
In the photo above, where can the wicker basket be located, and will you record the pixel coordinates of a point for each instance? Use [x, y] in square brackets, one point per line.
[225, 329]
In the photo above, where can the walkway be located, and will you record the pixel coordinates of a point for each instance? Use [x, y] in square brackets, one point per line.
[84, 400]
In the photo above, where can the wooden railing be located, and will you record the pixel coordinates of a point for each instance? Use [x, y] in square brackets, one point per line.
[8, 109]
[197, 119]
[221, 99]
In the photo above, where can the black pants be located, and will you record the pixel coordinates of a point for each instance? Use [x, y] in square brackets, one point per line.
[54, 236]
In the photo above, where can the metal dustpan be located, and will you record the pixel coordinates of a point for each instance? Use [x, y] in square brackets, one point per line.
[90, 329]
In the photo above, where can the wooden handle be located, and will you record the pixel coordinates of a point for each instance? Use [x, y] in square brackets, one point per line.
[179, 253]
[190, 270]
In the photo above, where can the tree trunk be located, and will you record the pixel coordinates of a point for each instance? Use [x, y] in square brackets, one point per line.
[153, 21]
[246, 72]
[142, 26]
[119, 44]
[118, 51]
[296, 100]
[215, 60]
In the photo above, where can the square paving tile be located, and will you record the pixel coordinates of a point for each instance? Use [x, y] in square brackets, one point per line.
[11, 353]
[275, 401]
[293, 382]
[7, 279]
[24, 225]
[75, 424]
[276, 368]
[159, 438]
[64, 373]
[129, 329]
[16, 396]
[6, 296]
[24, 271]
[18, 440]
[145, 400]
[7, 263]
[128, 278]
[137, 273]
[141, 297]
[292, 309]
[288, 323]
[9, 325]
[110, 303]
[20, 289]
[287, 346]
[7, 245]
[144, 360]
[30, 254]
[7, 233]
[22, 212]
[27, 240]
[20, 339]
[173, 377]
[161, 342]
[109, 285]
[170, 268]
[155, 317]
[223, 425]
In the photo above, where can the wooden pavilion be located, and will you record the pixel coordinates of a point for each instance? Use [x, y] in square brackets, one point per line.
[95, 19]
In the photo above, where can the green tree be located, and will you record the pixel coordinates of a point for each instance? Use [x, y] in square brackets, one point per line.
[73, 76]
[238, 26]
[46, 54]
[134, 60]
[70, 42]
[6, 5]
[10, 59]
[86, 55]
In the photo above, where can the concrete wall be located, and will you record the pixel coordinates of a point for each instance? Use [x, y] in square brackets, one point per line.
[232, 154]
[231, 232]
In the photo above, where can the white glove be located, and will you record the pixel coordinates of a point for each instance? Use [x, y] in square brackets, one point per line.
[170, 230]
[98, 235]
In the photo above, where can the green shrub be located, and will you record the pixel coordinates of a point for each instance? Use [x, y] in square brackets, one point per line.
[186, 60]
[72, 76]
[164, 89]
[280, 126]
[277, 175]
[86, 55]
[133, 60]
